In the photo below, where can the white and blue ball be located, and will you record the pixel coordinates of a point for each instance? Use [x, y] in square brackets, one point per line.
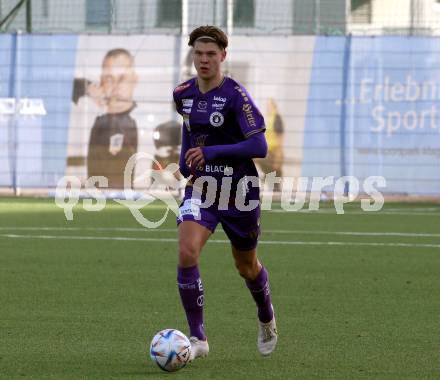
[170, 349]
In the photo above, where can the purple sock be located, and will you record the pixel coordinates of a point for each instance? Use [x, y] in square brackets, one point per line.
[261, 293]
[191, 294]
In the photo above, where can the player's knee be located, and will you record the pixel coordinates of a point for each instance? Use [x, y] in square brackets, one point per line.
[188, 254]
[247, 270]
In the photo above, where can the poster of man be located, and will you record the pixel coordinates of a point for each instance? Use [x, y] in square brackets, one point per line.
[120, 96]
[114, 136]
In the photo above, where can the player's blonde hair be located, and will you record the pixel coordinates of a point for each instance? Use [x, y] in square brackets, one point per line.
[209, 33]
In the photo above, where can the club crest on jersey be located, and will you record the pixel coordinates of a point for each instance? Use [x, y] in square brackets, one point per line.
[216, 119]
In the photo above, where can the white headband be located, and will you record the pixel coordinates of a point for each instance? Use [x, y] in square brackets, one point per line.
[206, 37]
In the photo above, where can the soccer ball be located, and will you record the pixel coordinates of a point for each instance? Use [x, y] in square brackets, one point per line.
[170, 349]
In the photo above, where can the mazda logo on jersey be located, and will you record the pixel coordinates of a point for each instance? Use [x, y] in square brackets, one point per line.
[216, 119]
[202, 104]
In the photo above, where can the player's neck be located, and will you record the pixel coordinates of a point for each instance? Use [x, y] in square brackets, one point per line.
[206, 85]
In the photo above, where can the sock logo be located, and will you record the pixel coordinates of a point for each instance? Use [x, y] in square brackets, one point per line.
[186, 286]
[200, 300]
[266, 289]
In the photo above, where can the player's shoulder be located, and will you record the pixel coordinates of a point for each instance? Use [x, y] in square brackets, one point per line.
[237, 89]
[234, 84]
[184, 87]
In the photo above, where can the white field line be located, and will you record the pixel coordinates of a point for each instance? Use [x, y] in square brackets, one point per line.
[281, 232]
[221, 241]
[353, 233]
[360, 212]
[404, 212]
[421, 209]
[407, 212]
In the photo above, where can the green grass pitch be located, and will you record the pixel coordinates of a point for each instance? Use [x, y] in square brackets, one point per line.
[357, 296]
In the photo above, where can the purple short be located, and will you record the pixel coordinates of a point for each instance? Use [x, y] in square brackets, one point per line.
[241, 227]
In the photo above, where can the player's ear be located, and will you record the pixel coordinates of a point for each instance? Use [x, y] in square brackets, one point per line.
[223, 55]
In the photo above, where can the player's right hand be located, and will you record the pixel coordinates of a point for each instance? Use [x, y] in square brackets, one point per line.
[194, 157]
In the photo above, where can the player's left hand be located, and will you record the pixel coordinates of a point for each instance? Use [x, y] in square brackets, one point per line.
[194, 157]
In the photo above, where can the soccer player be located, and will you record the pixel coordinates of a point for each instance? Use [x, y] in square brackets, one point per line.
[222, 131]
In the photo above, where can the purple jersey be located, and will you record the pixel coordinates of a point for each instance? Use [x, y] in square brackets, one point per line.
[223, 115]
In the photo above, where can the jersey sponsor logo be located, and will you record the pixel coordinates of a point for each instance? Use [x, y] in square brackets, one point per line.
[202, 105]
[186, 110]
[219, 99]
[218, 106]
[187, 102]
[182, 87]
[247, 109]
[216, 119]
[242, 93]
[190, 207]
[225, 169]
